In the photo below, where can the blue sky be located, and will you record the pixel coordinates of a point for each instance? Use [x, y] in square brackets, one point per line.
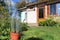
[15, 0]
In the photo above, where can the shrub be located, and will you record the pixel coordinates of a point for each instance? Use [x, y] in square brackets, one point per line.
[48, 22]
[57, 19]
[4, 34]
[4, 23]
[4, 29]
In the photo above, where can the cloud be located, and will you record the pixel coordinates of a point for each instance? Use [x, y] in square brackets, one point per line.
[13, 3]
[59, 8]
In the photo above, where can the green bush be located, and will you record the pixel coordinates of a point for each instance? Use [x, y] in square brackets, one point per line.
[48, 22]
[4, 34]
[57, 19]
[4, 29]
[4, 23]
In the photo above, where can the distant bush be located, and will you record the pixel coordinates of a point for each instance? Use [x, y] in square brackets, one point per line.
[57, 19]
[48, 22]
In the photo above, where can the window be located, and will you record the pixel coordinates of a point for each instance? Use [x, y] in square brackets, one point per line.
[53, 9]
[58, 8]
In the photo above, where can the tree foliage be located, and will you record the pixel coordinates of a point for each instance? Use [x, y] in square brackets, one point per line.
[4, 23]
[20, 4]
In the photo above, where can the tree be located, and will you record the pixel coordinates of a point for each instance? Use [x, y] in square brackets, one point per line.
[4, 22]
[20, 4]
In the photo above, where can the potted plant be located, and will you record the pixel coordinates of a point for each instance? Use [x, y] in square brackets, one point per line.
[15, 27]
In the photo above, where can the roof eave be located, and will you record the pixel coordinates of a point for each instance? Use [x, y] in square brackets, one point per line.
[45, 2]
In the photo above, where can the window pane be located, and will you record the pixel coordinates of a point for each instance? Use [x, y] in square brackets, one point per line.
[53, 9]
[58, 8]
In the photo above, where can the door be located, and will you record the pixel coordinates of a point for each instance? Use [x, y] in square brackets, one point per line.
[41, 14]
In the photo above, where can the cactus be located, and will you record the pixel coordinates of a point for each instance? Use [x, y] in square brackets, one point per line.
[15, 23]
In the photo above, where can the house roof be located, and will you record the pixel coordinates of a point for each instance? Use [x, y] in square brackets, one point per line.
[22, 8]
[43, 1]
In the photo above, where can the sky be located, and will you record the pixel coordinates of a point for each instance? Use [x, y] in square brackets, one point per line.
[15, 0]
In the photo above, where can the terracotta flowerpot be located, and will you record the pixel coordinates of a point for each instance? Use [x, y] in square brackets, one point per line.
[14, 36]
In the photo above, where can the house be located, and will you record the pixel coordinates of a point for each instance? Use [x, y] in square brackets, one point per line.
[34, 12]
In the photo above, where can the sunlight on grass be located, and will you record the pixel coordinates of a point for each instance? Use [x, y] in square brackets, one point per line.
[45, 33]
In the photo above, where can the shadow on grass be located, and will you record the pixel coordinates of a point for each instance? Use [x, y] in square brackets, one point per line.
[32, 38]
[24, 27]
[21, 35]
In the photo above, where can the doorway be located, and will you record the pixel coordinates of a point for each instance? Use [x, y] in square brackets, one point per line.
[41, 13]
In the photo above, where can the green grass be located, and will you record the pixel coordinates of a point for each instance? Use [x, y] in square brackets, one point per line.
[44, 33]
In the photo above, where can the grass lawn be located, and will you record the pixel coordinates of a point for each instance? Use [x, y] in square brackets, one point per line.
[42, 33]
